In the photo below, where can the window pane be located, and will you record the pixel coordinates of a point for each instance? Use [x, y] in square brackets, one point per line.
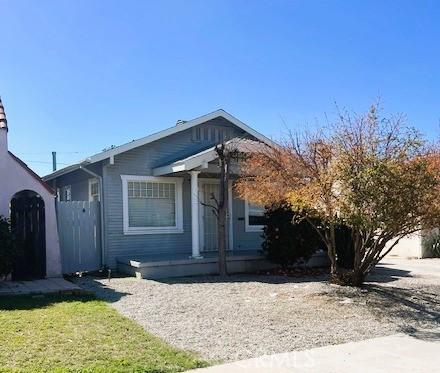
[256, 215]
[143, 190]
[154, 207]
[257, 220]
[155, 190]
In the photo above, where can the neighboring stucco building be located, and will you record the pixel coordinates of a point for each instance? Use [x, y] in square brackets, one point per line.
[410, 247]
[30, 203]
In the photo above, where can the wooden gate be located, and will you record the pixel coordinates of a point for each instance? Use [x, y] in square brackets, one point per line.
[79, 230]
[28, 225]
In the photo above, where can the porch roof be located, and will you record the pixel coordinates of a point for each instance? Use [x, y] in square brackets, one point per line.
[200, 160]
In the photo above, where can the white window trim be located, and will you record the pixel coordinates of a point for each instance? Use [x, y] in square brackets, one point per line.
[91, 181]
[178, 228]
[247, 227]
[63, 191]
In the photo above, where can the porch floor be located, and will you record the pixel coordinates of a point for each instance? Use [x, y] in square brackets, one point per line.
[186, 258]
[179, 265]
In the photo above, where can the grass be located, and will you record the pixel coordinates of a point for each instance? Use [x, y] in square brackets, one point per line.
[79, 333]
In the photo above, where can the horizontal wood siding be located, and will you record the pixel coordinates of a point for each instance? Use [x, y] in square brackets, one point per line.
[243, 240]
[141, 161]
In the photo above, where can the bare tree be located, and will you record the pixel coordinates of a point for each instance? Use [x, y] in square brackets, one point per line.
[226, 152]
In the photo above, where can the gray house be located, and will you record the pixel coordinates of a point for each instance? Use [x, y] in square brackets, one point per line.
[150, 194]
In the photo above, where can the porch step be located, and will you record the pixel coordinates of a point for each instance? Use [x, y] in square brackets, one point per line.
[159, 266]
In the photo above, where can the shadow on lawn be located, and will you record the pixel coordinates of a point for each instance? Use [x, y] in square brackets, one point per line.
[101, 289]
[33, 301]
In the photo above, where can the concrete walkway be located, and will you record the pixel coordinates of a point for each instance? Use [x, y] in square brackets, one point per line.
[46, 286]
[397, 353]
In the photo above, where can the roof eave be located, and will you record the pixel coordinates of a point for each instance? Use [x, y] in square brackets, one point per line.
[179, 128]
[62, 171]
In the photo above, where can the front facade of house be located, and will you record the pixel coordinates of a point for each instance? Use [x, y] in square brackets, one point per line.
[153, 192]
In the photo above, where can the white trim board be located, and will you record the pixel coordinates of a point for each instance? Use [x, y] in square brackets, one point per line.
[177, 228]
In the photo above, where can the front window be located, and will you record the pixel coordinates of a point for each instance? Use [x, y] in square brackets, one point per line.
[254, 217]
[152, 205]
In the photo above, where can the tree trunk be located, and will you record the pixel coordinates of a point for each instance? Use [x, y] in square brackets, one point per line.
[342, 276]
[222, 208]
[331, 251]
[222, 218]
[348, 277]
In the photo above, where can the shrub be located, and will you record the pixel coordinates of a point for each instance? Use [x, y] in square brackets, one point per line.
[288, 239]
[8, 248]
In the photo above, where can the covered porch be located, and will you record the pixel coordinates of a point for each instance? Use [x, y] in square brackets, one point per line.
[200, 173]
[204, 171]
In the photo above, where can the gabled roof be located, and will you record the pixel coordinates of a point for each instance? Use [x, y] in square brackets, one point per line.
[179, 128]
[111, 153]
[32, 173]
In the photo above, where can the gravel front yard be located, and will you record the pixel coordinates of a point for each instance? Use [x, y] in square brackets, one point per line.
[248, 316]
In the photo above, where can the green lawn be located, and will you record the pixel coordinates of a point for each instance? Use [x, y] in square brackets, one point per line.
[80, 333]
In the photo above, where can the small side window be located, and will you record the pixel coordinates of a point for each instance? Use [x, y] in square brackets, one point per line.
[65, 193]
[93, 190]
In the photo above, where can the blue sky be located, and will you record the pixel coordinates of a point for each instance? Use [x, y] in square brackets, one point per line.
[78, 76]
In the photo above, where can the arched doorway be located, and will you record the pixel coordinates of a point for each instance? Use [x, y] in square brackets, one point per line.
[28, 224]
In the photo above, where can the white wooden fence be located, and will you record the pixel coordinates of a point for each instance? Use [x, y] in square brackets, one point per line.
[79, 231]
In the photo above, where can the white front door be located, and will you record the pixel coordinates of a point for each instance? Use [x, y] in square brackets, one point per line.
[208, 223]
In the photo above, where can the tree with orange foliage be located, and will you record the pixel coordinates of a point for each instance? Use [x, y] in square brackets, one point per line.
[373, 174]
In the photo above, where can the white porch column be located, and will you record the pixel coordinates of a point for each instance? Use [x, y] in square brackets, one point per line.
[195, 214]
